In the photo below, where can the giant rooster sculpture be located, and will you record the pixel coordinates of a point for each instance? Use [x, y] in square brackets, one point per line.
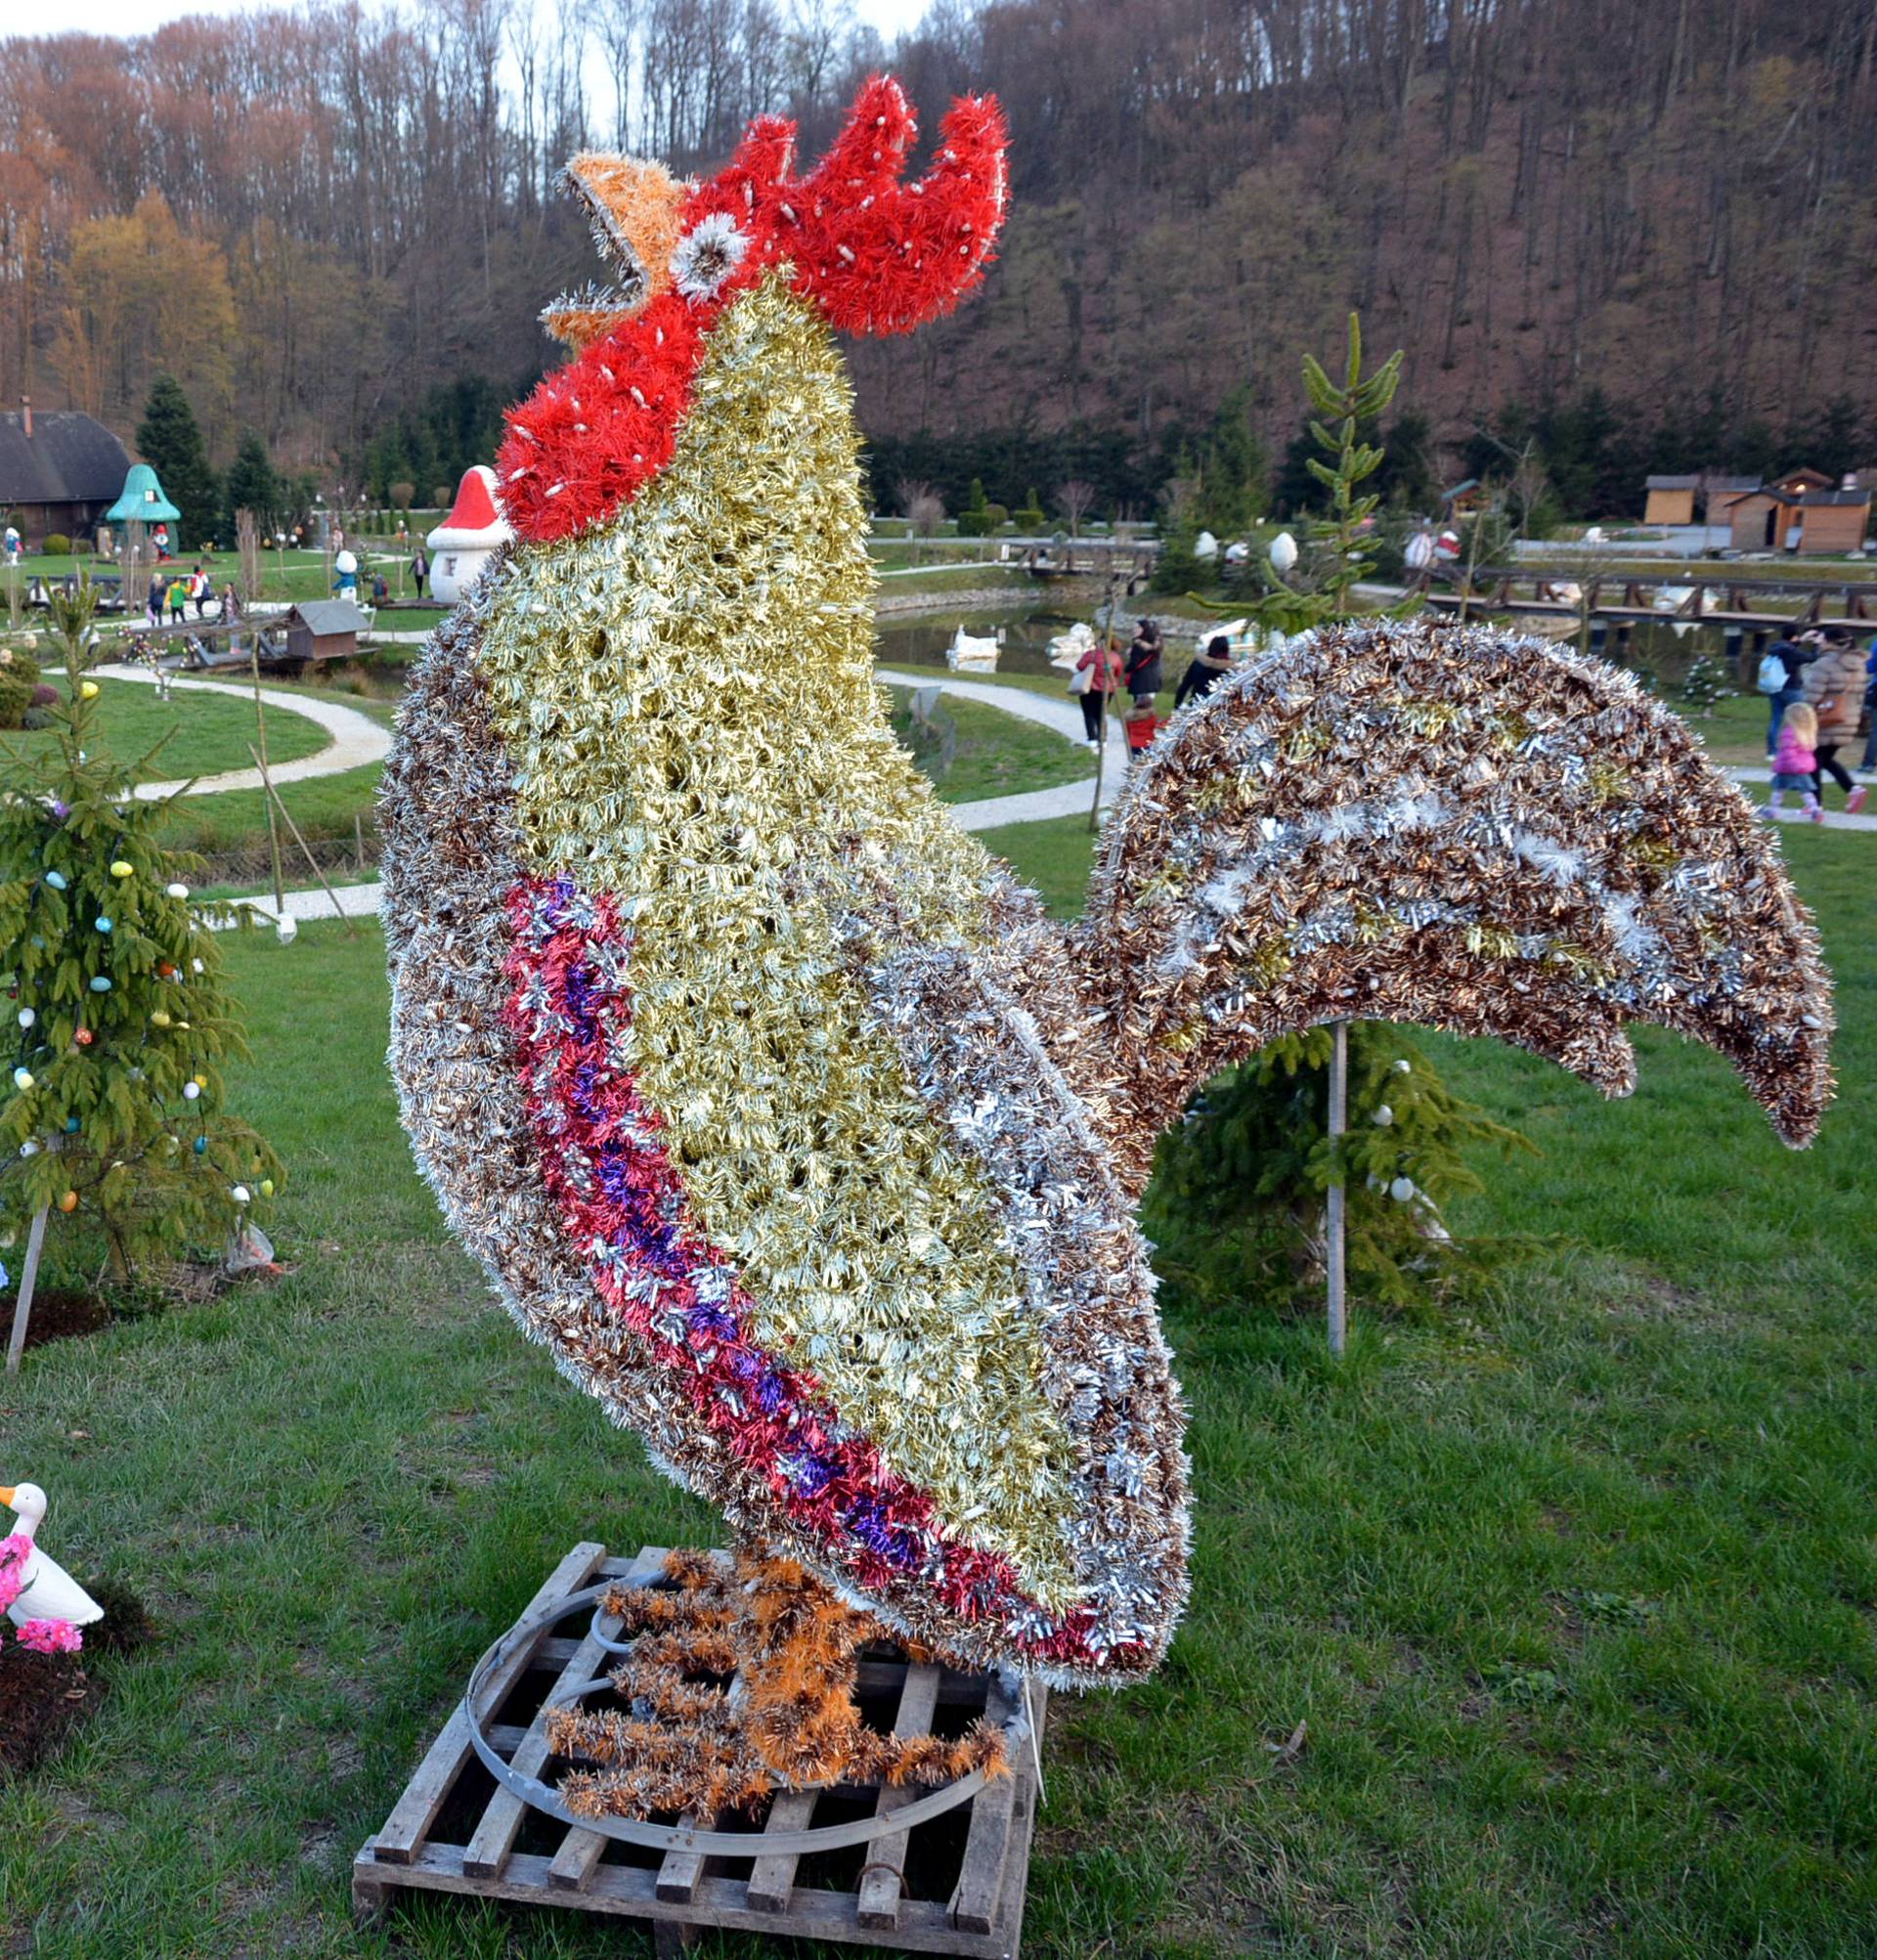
[774, 1107]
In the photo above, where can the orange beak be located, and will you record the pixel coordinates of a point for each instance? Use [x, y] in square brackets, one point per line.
[632, 209]
[6, 1495]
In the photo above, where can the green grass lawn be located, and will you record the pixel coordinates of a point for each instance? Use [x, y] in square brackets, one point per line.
[206, 733]
[1576, 1594]
[323, 806]
[991, 754]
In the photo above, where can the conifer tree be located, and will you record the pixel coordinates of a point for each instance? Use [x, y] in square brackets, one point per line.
[252, 484]
[111, 1112]
[171, 442]
[1706, 684]
[1238, 1194]
[1231, 471]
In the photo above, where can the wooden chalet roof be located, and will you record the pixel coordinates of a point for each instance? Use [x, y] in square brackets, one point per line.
[68, 458]
[324, 616]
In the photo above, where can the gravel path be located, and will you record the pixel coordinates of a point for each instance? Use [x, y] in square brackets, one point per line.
[1064, 716]
[357, 741]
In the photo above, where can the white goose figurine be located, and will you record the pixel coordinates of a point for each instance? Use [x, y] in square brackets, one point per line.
[50, 1592]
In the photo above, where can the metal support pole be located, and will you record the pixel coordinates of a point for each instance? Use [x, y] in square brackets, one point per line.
[1333, 1197]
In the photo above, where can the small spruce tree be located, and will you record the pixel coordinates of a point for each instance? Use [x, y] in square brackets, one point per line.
[112, 1113]
[1236, 1206]
[1237, 1190]
[974, 520]
[1706, 684]
[171, 442]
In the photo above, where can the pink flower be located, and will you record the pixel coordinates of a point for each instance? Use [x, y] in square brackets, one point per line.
[13, 1553]
[51, 1637]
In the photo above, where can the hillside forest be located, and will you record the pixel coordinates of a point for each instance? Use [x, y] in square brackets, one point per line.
[1621, 238]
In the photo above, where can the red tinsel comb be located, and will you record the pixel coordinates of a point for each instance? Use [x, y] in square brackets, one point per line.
[875, 255]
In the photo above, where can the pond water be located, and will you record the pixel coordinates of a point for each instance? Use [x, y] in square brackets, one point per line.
[922, 642]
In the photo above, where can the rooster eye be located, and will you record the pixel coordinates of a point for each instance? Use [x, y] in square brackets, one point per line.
[707, 255]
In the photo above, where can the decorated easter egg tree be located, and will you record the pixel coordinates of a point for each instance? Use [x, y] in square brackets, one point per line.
[120, 1023]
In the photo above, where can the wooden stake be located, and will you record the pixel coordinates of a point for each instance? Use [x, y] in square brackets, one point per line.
[1333, 1197]
[274, 804]
[1101, 741]
[28, 1279]
[260, 761]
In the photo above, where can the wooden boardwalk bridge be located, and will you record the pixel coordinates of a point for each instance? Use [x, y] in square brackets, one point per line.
[1749, 602]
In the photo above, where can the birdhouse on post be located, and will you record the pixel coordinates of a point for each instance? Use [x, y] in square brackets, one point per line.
[466, 541]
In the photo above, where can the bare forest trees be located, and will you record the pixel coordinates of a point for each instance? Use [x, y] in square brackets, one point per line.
[308, 215]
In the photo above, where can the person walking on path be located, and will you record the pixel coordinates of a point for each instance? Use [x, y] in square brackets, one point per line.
[1835, 693]
[154, 599]
[1101, 664]
[1143, 672]
[1870, 709]
[1794, 763]
[1210, 664]
[1795, 656]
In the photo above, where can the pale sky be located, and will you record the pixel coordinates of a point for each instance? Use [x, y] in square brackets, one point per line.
[138, 17]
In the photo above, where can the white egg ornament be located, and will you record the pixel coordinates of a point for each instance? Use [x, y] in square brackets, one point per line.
[175, 891]
[1284, 553]
[1400, 1190]
[240, 1194]
[22, 1078]
[27, 1017]
[1382, 1117]
[190, 1092]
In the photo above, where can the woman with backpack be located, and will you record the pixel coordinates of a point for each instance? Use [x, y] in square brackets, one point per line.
[1783, 680]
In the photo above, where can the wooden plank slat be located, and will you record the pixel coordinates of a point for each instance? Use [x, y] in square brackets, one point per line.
[772, 1879]
[881, 1883]
[981, 1877]
[494, 1837]
[924, 1926]
[427, 1790]
[581, 1850]
[679, 1877]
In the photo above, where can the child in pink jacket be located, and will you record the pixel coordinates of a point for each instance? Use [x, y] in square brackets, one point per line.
[1795, 763]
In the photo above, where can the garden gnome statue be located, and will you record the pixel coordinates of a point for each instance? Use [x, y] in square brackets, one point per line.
[466, 541]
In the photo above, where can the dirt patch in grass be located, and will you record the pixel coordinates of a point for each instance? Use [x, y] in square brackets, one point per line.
[58, 1315]
[42, 1696]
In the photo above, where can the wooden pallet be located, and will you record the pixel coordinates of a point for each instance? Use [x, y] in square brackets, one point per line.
[954, 1884]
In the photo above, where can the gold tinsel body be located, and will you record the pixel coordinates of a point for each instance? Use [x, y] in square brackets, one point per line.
[687, 695]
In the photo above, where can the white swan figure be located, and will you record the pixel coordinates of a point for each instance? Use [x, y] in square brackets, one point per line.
[50, 1592]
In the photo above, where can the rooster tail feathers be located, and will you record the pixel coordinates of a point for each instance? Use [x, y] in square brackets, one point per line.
[1452, 827]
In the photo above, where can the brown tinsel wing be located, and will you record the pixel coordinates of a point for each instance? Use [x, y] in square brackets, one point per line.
[1450, 826]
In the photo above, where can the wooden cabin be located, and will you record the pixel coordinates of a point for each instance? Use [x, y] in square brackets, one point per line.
[58, 472]
[1670, 499]
[1803, 512]
[324, 629]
